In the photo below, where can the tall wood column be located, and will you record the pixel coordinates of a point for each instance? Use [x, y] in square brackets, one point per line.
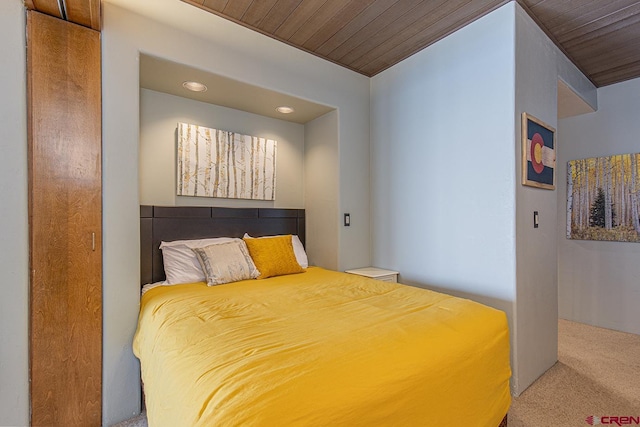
[65, 215]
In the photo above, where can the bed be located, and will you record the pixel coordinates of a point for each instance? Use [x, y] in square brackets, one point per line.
[316, 347]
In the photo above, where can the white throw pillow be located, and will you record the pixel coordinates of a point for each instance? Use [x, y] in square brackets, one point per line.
[226, 262]
[180, 262]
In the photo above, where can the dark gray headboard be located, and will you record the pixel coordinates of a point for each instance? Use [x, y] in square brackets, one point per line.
[163, 223]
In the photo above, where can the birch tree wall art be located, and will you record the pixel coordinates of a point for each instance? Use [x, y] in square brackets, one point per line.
[603, 196]
[217, 163]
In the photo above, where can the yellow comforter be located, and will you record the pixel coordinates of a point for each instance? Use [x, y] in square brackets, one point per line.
[320, 348]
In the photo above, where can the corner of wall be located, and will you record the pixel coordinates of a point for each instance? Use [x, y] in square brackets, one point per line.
[539, 65]
[321, 187]
[598, 280]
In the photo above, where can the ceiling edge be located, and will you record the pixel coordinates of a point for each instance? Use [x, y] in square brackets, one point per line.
[271, 36]
[554, 40]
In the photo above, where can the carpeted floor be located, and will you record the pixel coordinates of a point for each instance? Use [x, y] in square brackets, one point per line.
[597, 374]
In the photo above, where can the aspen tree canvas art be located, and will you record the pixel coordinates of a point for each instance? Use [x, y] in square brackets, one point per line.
[603, 195]
[217, 163]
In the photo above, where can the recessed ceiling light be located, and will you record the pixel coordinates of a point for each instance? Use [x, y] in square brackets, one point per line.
[194, 86]
[285, 110]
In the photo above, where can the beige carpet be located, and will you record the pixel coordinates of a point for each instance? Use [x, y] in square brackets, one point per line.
[597, 374]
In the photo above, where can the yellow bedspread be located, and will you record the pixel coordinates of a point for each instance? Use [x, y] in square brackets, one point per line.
[320, 348]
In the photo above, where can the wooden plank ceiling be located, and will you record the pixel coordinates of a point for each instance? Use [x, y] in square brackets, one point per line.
[366, 36]
[602, 37]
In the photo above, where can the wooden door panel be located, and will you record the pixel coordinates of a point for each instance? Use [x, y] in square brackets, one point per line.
[65, 221]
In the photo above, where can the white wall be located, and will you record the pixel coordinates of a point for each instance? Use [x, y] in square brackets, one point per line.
[442, 172]
[536, 300]
[415, 139]
[14, 262]
[448, 209]
[322, 178]
[159, 116]
[539, 65]
[353, 187]
[227, 49]
[599, 282]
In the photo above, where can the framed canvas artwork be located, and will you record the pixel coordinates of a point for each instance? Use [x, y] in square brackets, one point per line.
[603, 198]
[218, 163]
[538, 153]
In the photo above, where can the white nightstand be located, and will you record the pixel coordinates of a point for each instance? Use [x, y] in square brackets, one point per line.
[376, 273]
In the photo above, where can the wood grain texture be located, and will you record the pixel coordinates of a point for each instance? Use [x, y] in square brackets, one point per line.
[369, 36]
[317, 22]
[401, 29]
[607, 14]
[621, 73]
[273, 13]
[337, 22]
[298, 19]
[64, 126]
[217, 5]
[386, 19]
[601, 37]
[556, 12]
[406, 42]
[354, 26]
[257, 11]
[237, 8]
[50, 7]
[597, 57]
[601, 27]
[82, 12]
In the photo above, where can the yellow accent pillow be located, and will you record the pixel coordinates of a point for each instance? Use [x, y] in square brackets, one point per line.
[273, 256]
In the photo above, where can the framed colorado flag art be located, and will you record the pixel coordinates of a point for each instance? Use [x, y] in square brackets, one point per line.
[538, 153]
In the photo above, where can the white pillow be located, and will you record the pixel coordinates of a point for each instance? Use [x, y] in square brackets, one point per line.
[226, 262]
[298, 248]
[148, 286]
[180, 262]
